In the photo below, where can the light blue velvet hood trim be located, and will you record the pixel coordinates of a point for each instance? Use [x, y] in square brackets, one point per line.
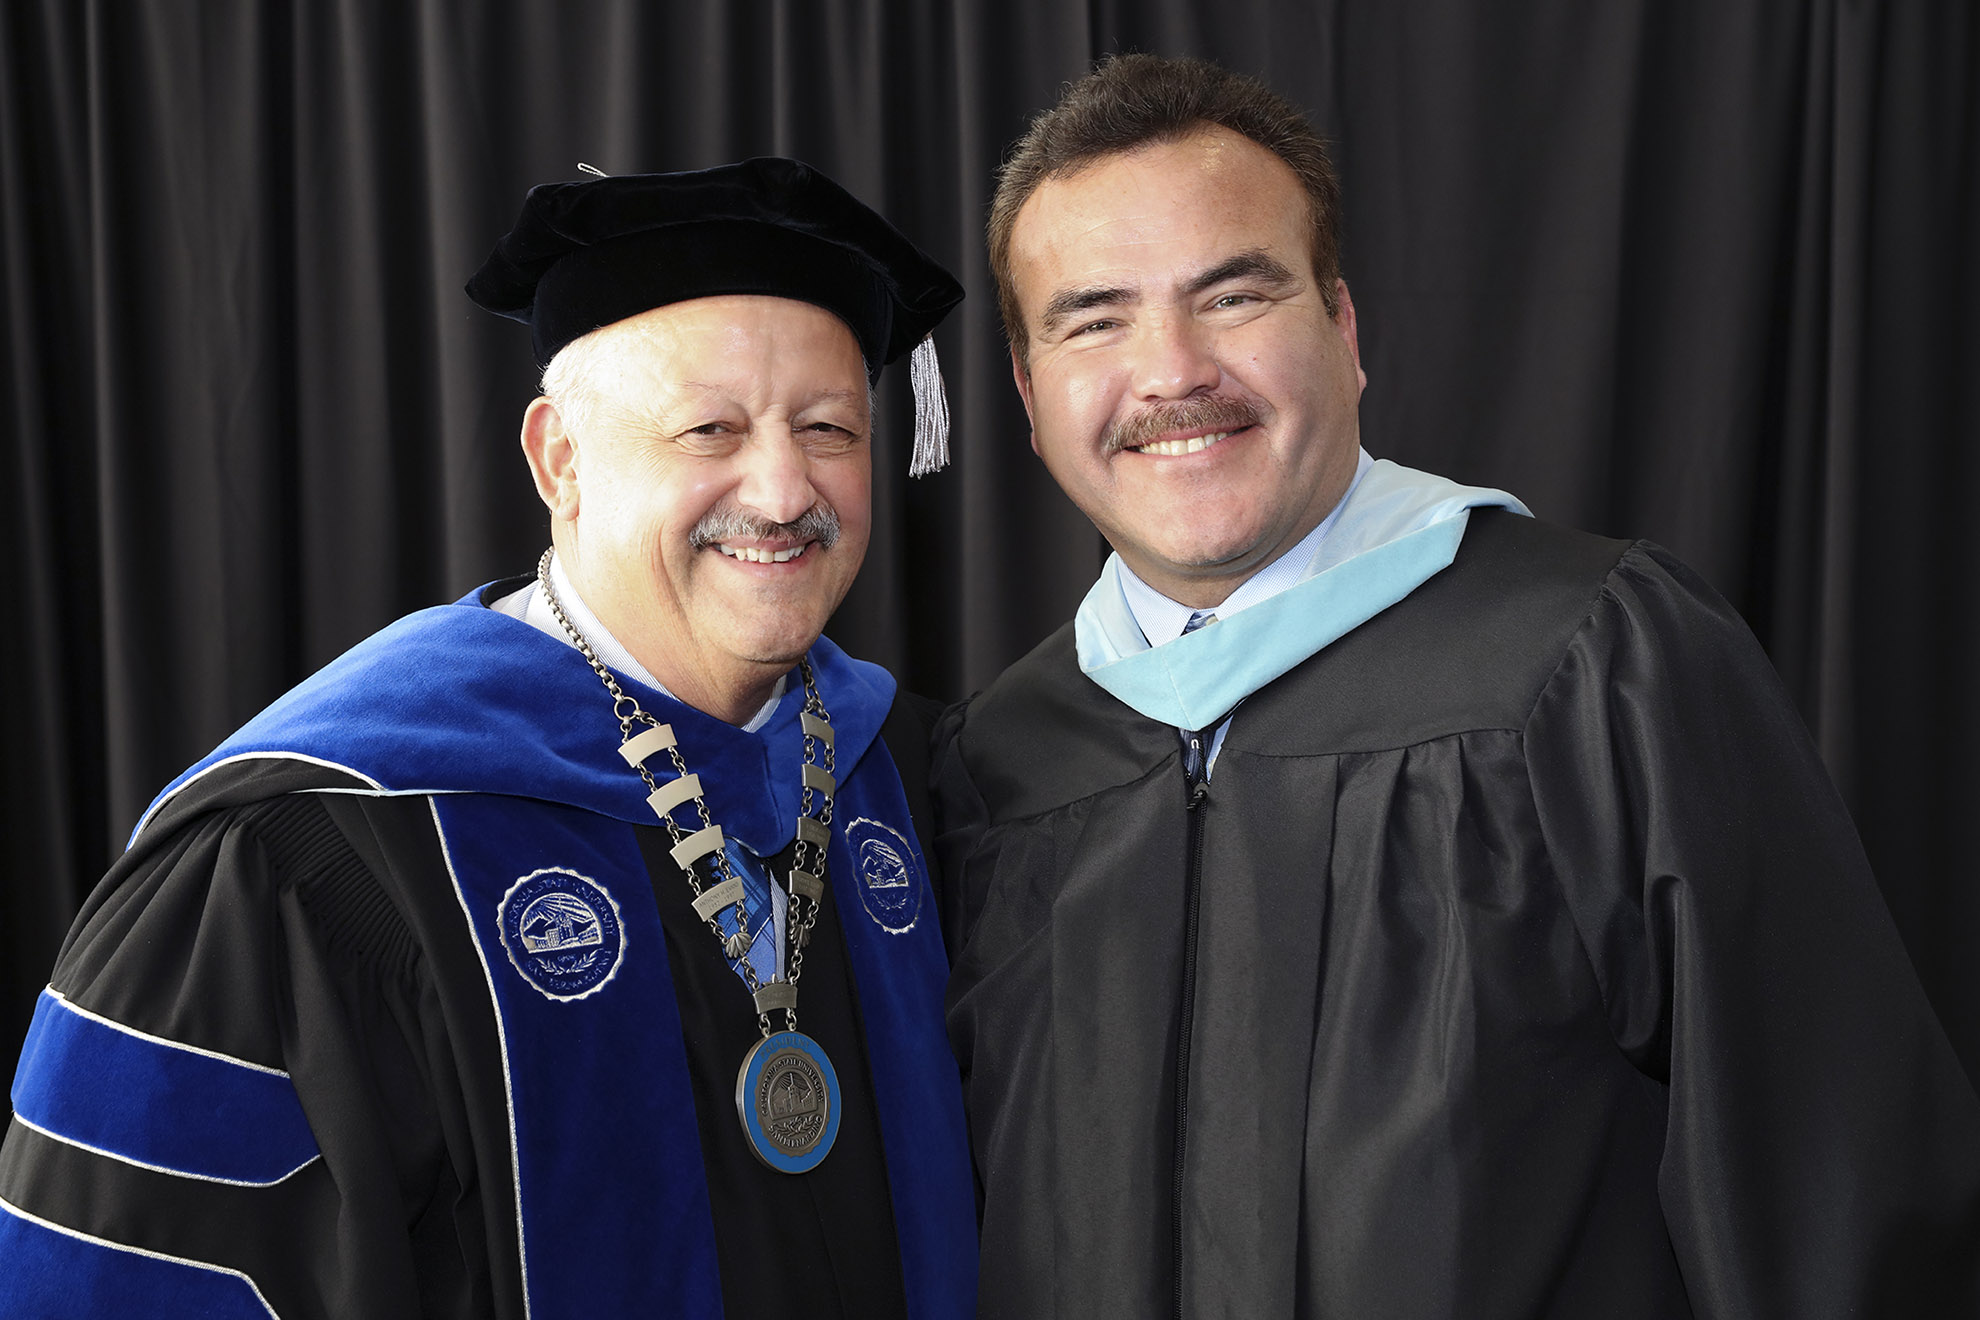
[1398, 529]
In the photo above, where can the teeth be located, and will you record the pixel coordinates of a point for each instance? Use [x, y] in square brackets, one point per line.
[750, 554]
[1173, 448]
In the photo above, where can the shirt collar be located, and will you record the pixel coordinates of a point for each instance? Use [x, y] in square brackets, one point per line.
[1162, 620]
[532, 607]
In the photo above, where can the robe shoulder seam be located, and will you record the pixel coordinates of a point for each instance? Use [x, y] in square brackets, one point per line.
[1605, 590]
[309, 853]
[1606, 596]
[1166, 766]
[1371, 749]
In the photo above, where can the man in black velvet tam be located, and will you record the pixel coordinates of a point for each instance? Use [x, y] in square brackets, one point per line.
[465, 980]
[1378, 902]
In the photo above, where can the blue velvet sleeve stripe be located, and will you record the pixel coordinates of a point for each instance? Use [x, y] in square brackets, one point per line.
[51, 1271]
[151, 1102]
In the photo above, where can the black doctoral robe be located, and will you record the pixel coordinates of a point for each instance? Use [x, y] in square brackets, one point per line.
[294, 1053]
[1518, 960]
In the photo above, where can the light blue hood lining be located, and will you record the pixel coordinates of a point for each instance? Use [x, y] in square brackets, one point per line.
[1397, 529]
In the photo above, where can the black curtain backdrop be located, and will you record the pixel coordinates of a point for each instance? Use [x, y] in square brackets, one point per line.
[1702, 271]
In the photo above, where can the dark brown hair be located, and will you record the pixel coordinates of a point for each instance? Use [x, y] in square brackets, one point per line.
[1132, 101]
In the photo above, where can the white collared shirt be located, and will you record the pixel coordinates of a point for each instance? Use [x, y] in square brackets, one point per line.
[532, 607]
[1163, 620]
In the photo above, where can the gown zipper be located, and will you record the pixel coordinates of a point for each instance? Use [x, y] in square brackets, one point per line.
[1196, 787]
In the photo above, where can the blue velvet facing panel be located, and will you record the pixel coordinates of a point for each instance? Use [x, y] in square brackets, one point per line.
[55, 1274]
[155, 1103]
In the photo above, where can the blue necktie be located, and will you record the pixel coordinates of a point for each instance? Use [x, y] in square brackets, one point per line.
[1196, 744]
[758, 909]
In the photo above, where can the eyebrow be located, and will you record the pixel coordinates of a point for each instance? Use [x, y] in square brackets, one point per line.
[1255, 264]
[1068, 303]
[839, 396]
[811, 401]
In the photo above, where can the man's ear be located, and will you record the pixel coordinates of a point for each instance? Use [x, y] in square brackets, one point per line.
[553, 458]
[1344, 324]
[1021, 376]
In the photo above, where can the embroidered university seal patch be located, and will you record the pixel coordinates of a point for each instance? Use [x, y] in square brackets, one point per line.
[562, 932]
[889, 874]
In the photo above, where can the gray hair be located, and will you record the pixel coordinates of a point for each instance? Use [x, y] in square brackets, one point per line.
[569, 381]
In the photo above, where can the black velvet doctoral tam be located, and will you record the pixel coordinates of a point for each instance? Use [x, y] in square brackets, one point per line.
[589, 252]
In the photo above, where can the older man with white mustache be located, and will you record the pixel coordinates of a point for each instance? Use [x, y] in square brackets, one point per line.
[466, 979]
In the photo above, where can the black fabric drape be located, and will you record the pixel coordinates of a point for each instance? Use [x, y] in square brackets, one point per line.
[1699, 272]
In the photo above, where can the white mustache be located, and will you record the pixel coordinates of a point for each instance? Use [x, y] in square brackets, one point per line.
[818, 523]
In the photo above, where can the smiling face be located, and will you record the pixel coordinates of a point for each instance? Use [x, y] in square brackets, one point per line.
[710, 487]
[1186, 385]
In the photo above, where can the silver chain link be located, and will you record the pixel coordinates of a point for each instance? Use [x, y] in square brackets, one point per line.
[630, 714]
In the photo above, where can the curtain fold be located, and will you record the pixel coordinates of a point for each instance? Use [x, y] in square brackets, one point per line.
[1699, 272]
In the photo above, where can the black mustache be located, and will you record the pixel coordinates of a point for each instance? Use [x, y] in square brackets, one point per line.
[1211, 412]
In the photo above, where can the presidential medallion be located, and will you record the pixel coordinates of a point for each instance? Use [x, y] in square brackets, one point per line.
[786, 1094]
[788, 1099]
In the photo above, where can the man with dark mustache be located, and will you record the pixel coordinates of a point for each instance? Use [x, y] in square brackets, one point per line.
[466, 979]
[1377, 902]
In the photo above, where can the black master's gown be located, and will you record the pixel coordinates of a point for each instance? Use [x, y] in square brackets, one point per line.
[1519, 961]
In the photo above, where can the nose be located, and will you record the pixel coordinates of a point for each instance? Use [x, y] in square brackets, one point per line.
[1173, 359]
[776, 476]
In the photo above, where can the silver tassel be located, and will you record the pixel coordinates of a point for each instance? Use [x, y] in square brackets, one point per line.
[931, 411]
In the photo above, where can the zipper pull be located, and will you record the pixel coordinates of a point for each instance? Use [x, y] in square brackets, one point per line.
[1194, 767]
[1196, 744]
